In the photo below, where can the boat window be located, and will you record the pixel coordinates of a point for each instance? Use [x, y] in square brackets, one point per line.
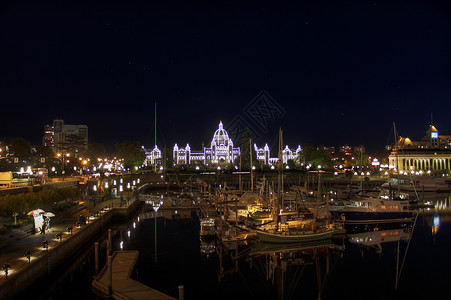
[383, 207]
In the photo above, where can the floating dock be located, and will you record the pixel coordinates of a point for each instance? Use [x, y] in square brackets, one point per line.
[122, 286]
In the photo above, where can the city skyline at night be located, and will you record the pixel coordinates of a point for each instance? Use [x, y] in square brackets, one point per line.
[332, 73]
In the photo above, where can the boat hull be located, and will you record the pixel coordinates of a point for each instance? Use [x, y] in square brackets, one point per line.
[373, 217]
[294, 237]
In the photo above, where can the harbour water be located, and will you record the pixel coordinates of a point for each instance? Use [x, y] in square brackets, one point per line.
[362, 265]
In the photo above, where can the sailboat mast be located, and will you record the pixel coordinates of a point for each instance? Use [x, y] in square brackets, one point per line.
[397, 158]
[155, 161]
[318, 197]
[280, 192]
[252, 174]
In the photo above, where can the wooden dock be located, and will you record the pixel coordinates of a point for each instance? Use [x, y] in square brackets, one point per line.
[123, 287]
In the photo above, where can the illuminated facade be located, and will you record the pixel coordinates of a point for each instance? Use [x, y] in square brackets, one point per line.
[431, 155]
[152, 156]
[264, 155]
[221, 151]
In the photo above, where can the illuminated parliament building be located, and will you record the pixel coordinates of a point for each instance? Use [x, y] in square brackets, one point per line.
[221, 151]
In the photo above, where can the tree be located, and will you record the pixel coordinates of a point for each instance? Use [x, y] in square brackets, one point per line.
[43, 152]
[245, 154]
[316, 157]
[95, 151]
[20, 148]
[131, 152]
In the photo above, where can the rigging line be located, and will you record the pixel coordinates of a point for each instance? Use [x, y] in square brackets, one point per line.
[408, 244]
[326, 278]
[295, 282]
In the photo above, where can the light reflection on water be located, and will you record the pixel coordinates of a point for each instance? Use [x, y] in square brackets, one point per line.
[362, 265]
[365, 260]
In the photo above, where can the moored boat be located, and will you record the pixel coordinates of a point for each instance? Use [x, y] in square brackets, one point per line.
[207, 227]
[372, 210]
[418, 184]
[296, 236]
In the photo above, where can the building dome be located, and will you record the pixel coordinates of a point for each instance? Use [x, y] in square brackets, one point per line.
[221, 137]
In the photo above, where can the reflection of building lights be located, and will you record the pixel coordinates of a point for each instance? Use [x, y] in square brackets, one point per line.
[436, 220]
[121, 245]
[134, 225]
[128, 233]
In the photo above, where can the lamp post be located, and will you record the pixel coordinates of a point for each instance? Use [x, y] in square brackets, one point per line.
[45, 245]
[62, 157]
[6, 267]
[28, 255]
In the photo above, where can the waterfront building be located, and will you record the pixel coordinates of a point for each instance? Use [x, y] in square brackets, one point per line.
[264, 155]
[152, 156]
[59, 135]
[430, 155]
[221, 151]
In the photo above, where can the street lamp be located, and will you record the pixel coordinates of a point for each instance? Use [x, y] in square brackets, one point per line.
[28, 255]
[62, 158]
[6, 267]
[45, 245]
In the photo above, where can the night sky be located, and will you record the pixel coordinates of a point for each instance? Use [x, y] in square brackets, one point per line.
[333, 73]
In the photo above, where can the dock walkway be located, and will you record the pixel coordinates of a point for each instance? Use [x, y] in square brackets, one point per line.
[123, 287]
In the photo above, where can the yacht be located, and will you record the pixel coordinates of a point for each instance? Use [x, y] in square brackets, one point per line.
[373, 210]
[408, 183]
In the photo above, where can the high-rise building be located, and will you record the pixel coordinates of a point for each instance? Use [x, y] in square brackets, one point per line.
[60, 135]
[48, 140]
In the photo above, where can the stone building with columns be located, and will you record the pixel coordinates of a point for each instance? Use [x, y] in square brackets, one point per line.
[430, 155]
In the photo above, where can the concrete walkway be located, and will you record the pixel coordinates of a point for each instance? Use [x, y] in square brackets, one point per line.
[123, 287]
[14, 243]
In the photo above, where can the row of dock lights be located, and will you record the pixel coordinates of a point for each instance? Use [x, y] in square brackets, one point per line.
[45, 246]
[121, 243]
[121, 188]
